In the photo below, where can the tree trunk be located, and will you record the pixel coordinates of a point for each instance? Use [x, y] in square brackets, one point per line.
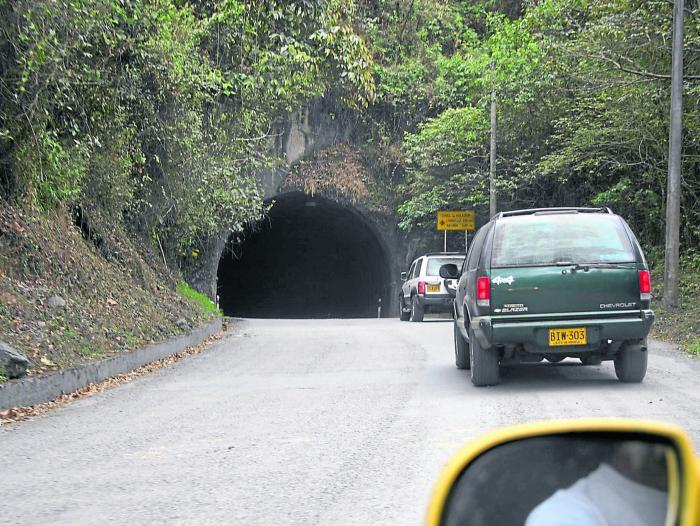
[673, 195]
[492, 160]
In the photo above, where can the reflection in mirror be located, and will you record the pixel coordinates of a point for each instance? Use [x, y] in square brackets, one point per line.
[584, 479]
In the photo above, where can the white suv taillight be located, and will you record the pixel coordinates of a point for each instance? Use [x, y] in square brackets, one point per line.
[421, 287]
[483, 292]
[644, 285]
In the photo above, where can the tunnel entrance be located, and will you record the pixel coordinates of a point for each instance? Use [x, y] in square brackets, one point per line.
[311, 258]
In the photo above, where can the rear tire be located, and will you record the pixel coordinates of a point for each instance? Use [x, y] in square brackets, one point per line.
[403, 313]
[484, 363]
[416, 310]
[462, 359]
[631, 362]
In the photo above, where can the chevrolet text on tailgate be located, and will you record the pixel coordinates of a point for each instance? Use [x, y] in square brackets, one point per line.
[550, 284]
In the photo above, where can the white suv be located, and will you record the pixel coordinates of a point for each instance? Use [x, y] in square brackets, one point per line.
[424, 290]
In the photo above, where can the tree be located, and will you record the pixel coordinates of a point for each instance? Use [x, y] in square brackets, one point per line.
[673, 202]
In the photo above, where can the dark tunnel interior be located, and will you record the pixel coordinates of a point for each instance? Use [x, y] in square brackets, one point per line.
[310, 258]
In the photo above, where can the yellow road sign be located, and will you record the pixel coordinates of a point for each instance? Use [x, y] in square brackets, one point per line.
[456, 220]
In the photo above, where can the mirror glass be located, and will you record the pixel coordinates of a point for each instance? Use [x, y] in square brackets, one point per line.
[578, 479]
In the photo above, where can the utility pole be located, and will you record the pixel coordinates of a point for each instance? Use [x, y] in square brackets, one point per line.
[492, 160]
[675, 141]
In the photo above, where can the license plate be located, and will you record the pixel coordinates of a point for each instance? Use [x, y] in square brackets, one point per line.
[433, 288]
[561, 337]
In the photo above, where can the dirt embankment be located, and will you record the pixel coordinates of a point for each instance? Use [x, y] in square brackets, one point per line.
[67, 297]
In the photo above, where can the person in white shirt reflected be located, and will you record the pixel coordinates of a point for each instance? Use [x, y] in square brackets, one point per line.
[630, 490]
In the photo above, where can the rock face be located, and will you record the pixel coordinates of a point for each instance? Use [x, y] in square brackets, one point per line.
[182, 323]
[56, 302]
[12, 361]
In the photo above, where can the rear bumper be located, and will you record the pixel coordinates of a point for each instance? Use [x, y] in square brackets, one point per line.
[534, 335]
[436, 301]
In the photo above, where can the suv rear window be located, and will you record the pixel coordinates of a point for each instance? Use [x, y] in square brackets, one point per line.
[561, 238]
[434, 264]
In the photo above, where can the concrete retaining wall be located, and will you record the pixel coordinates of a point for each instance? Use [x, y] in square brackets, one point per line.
[41, 389]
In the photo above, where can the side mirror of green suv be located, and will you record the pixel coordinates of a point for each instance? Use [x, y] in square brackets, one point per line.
[449, 271]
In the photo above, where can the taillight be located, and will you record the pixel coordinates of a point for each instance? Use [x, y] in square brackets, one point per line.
[644, 285]
[483, 292]
[421, 287]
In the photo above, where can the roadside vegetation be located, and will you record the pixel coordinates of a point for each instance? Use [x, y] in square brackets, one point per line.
[682, 325]
[64, 304]
[582, 91]
[201, 300]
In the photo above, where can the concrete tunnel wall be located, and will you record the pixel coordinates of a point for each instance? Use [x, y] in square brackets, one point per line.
[316, 126]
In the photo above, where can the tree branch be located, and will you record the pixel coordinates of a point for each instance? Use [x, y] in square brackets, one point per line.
[637, 72]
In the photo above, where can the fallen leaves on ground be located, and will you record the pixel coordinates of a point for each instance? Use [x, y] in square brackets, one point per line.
[17, 414]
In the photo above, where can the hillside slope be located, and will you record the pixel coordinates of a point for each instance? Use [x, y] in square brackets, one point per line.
[67, 297]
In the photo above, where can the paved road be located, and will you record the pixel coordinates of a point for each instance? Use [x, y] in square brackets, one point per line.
[300, 422]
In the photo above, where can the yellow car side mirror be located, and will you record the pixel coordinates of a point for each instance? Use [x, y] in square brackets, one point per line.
[570, 472]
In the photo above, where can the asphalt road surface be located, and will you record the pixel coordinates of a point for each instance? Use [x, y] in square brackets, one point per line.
[301, 422]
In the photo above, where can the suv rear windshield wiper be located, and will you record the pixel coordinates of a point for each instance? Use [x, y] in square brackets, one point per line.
[609, 264]
[584, 266]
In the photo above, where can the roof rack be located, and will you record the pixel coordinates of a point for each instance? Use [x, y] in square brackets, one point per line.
[444, 254]
[559, 210]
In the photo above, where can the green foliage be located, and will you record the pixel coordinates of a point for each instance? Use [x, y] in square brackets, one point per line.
[694, 348]
[207, 306]
[691, 261]
[448, 139]
[678, 325]
[582, 90]
[443, 88]
[445, 165]
[161, 114]
[91, 352]
[53, 171]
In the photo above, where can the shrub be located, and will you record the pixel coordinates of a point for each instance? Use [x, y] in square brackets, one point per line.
[202, 300]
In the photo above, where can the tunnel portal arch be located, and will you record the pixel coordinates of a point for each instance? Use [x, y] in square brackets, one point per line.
[311, 257]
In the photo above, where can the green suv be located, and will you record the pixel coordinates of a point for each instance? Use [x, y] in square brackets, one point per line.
[549, 284]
